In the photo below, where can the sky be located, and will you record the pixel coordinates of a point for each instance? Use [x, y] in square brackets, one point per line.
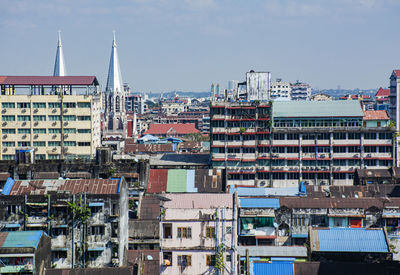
[186, 45]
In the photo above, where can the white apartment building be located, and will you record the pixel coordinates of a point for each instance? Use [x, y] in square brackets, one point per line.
[280, 89]
[198, 234]
[300, 91]
[58, 116]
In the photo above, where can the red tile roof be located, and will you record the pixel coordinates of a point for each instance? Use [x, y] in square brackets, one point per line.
[48, 80]
[383, 92]
[91, 186]
[396, 73]
[164, 129]
[375, 115]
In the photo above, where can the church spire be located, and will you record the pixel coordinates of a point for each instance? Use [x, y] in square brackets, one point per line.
[59, 65]
[114, 79]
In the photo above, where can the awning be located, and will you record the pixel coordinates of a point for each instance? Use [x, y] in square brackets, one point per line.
[96, 204]
[59, 249]
[12, 225]
[299, 235]
[60, 226]
[96, 249]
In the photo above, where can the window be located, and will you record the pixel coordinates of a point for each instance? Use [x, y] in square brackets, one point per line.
[53, 156]
[70, 143]
[354, 135]
[39, 131]
[6, 105]
[39, 105]
[339, 135]
[84, 131]
[184, 232]
[24, 143]
[54, 143]
[69, 118]
[57, 231]
[8, 118]
[69, 105]
[24, 131]
[210, 232]
[167, 258]
[24, 118]
[8, 157]
[23, 105]
[54, 118]
[279, 137]
[8, 131]
[59, 255]
[83, 143]
[39, 144]
[369, 135]
[39, 118]
[55, 131]
[228, 258]
[211, 260]
[54, 104]
[249, 150]
[83, 117]
[184, 260]
[83, 104]
[93, 255]
[228, 230]
[70, 131]
[97, 230]
[292, 149]
[40, 156]
[167, 230]
[8, 144]
[340, 149]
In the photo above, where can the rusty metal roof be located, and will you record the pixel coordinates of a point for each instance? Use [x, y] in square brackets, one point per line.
[365, 203]
[90, 186]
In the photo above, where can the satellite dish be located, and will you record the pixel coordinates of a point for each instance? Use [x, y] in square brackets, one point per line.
[149, 257]
[275, 225]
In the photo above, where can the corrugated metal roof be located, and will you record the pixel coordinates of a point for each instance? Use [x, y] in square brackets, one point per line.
[91, 186]
[203, 201]
[275, 268]
[348, 240]
[273, 251]
[259, 203]
[190, 176]
[176, 180]
[334, 108]
[20, 238]
[261, 191]
[157, 181]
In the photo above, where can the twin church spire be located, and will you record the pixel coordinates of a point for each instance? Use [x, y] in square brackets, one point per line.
[115, 116]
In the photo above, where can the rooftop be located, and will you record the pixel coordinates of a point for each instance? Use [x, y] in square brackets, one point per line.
[198, 201]
[41, 187]
[383, 92]
[376, 115]
[335, 108]
[48, 80]
[25, 239]
[180, 159]
[348, 240]
[164, 129]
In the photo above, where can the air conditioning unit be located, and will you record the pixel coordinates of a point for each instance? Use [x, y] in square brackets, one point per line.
[65, 123]
[65, 111]
[4, 136]
[54, 110]
[23, 111]
[65, 135]
[54, 149]
[54, 123]
[35, 111]
[36, 123]
[368, 155]
[54, 136]
[23, 123]
[24, 136]
[5, 149]
[4, 123]
[3, 111]
[36, 136]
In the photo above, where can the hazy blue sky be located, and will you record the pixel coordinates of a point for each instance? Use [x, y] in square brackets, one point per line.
[188, 44]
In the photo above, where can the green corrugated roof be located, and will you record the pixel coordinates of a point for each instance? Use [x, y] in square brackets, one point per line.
[335, 108]
[22, 239]
[176, 180]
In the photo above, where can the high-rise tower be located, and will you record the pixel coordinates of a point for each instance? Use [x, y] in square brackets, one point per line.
[115, 115]
[59, 64]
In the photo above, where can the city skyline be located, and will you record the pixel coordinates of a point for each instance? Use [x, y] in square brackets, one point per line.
[187, 45]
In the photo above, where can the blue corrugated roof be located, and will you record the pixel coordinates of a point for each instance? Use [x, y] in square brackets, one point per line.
[259, 203]
[352, 240]
[268, 191]
[22, 239]
[275, 268]
[8, 186]
[96, 204]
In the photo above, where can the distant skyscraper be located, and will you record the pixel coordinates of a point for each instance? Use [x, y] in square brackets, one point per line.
[115, 114]
[59, 65]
